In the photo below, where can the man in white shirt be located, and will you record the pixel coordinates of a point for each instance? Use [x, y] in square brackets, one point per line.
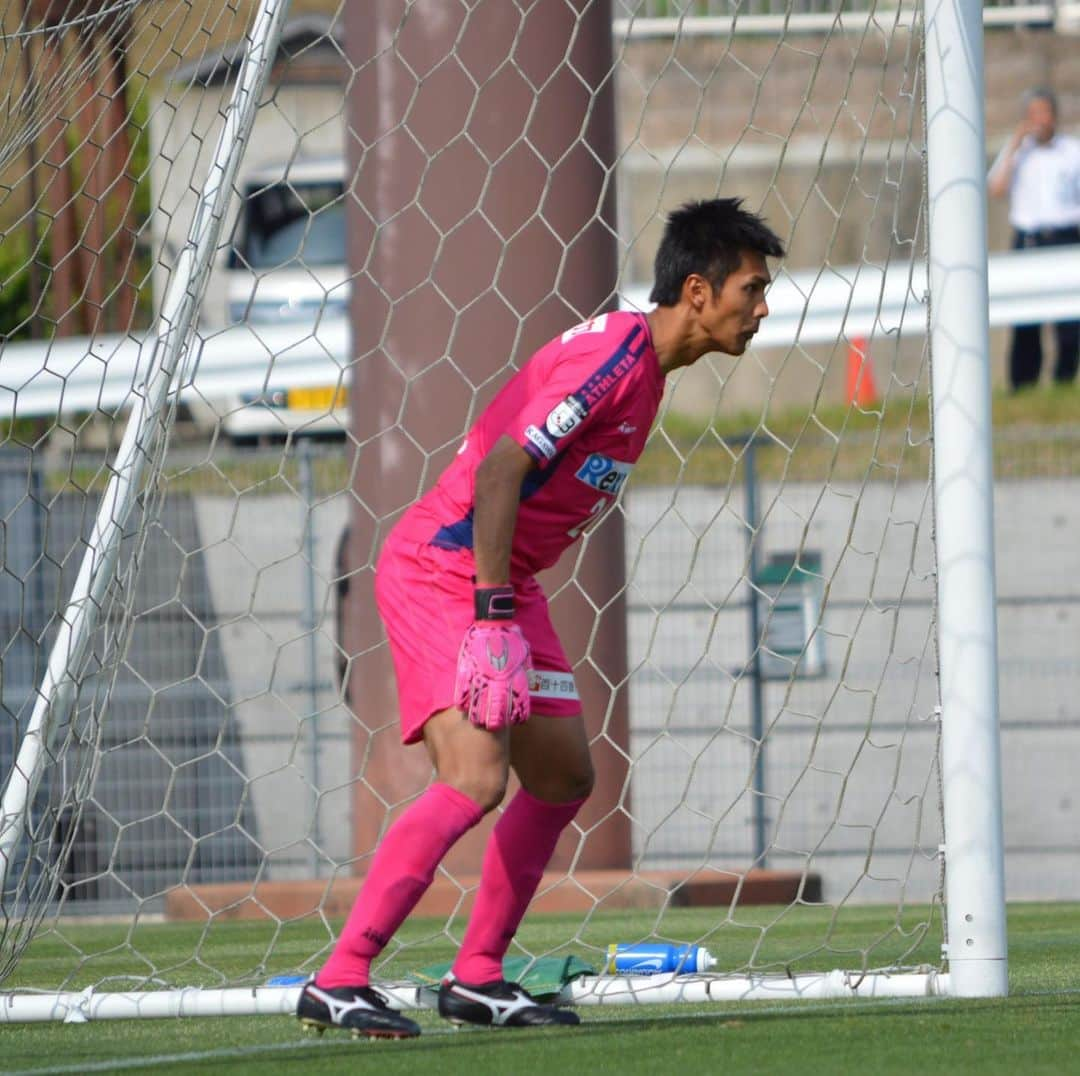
[1039, 170]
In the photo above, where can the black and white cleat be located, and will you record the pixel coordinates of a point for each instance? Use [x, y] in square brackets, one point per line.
[498, 1004]
[361, 1010]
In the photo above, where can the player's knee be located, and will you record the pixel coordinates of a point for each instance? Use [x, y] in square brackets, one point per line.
[578, 777]
[580, 782]
[566, 785]
[486, 790]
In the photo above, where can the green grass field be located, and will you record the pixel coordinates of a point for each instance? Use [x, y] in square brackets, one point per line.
[1036, 1029]
[1035, 436]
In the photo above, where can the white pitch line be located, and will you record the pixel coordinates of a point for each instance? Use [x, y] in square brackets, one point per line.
[642, 1014]
[114, 1064]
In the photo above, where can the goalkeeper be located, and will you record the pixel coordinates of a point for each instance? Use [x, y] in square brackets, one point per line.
[482, 678]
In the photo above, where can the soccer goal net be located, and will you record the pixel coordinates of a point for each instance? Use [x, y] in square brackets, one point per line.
[262, 266]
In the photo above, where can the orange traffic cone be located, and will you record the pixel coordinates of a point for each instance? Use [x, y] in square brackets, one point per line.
[861, 389]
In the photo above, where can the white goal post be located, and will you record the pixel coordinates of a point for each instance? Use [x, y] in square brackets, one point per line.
[964, 501]
[693, 708]
[145, 428]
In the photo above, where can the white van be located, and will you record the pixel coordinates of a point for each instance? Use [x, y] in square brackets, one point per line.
[287, 266]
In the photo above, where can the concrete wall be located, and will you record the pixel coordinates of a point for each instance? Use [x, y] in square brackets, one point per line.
[282, 673]
[227, 740]
[849, 778]
[850, 774]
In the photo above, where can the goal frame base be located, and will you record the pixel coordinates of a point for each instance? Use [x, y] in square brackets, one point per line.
[76, 1007]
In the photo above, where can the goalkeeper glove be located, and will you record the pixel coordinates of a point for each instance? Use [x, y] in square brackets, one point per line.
[492, 683]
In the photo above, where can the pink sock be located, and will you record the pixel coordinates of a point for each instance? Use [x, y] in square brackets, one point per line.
[400, 874]
[518, 851]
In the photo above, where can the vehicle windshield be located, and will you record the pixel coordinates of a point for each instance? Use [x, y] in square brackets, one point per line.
[292, 222]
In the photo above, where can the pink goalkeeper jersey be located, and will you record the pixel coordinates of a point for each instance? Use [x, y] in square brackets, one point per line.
[582, 407]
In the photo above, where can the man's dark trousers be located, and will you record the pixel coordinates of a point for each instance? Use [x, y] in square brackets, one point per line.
[1025, 358]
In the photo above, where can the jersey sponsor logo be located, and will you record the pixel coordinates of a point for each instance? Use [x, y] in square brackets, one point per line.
[593, 325]
[545, 684]
[604, 473]
[541, 440]
[627, 428]
[564, 416]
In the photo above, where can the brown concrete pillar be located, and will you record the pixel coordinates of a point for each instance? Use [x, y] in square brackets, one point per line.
[63, 283]
[121, 184]
[90, 201]
[481, 224]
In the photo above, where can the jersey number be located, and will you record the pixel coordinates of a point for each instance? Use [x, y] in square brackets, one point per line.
[595, 513]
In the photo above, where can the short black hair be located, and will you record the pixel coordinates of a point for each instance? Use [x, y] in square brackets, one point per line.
[708, 238]
[1042, 93]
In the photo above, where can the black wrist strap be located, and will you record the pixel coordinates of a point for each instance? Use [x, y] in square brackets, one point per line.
[494, 603]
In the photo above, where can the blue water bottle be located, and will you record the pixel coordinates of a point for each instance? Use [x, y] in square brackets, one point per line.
[287, 980]
[656, 958]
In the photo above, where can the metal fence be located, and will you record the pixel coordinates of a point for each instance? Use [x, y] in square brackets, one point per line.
[225, 746]
[209, 721]
[847, 767]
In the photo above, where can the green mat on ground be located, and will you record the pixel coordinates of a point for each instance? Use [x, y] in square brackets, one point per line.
[543, 977]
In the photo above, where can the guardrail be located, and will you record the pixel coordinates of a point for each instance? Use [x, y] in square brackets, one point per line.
[685, 18]
[72, 374]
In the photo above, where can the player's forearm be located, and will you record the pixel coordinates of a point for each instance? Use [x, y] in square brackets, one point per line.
[497, 496]
[493, 530]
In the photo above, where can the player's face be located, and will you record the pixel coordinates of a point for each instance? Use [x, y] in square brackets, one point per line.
[732, 315]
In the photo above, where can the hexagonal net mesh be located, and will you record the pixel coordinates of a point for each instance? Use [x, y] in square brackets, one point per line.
[428, 192]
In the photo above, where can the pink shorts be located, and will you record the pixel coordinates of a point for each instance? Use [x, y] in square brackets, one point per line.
[425, 599]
